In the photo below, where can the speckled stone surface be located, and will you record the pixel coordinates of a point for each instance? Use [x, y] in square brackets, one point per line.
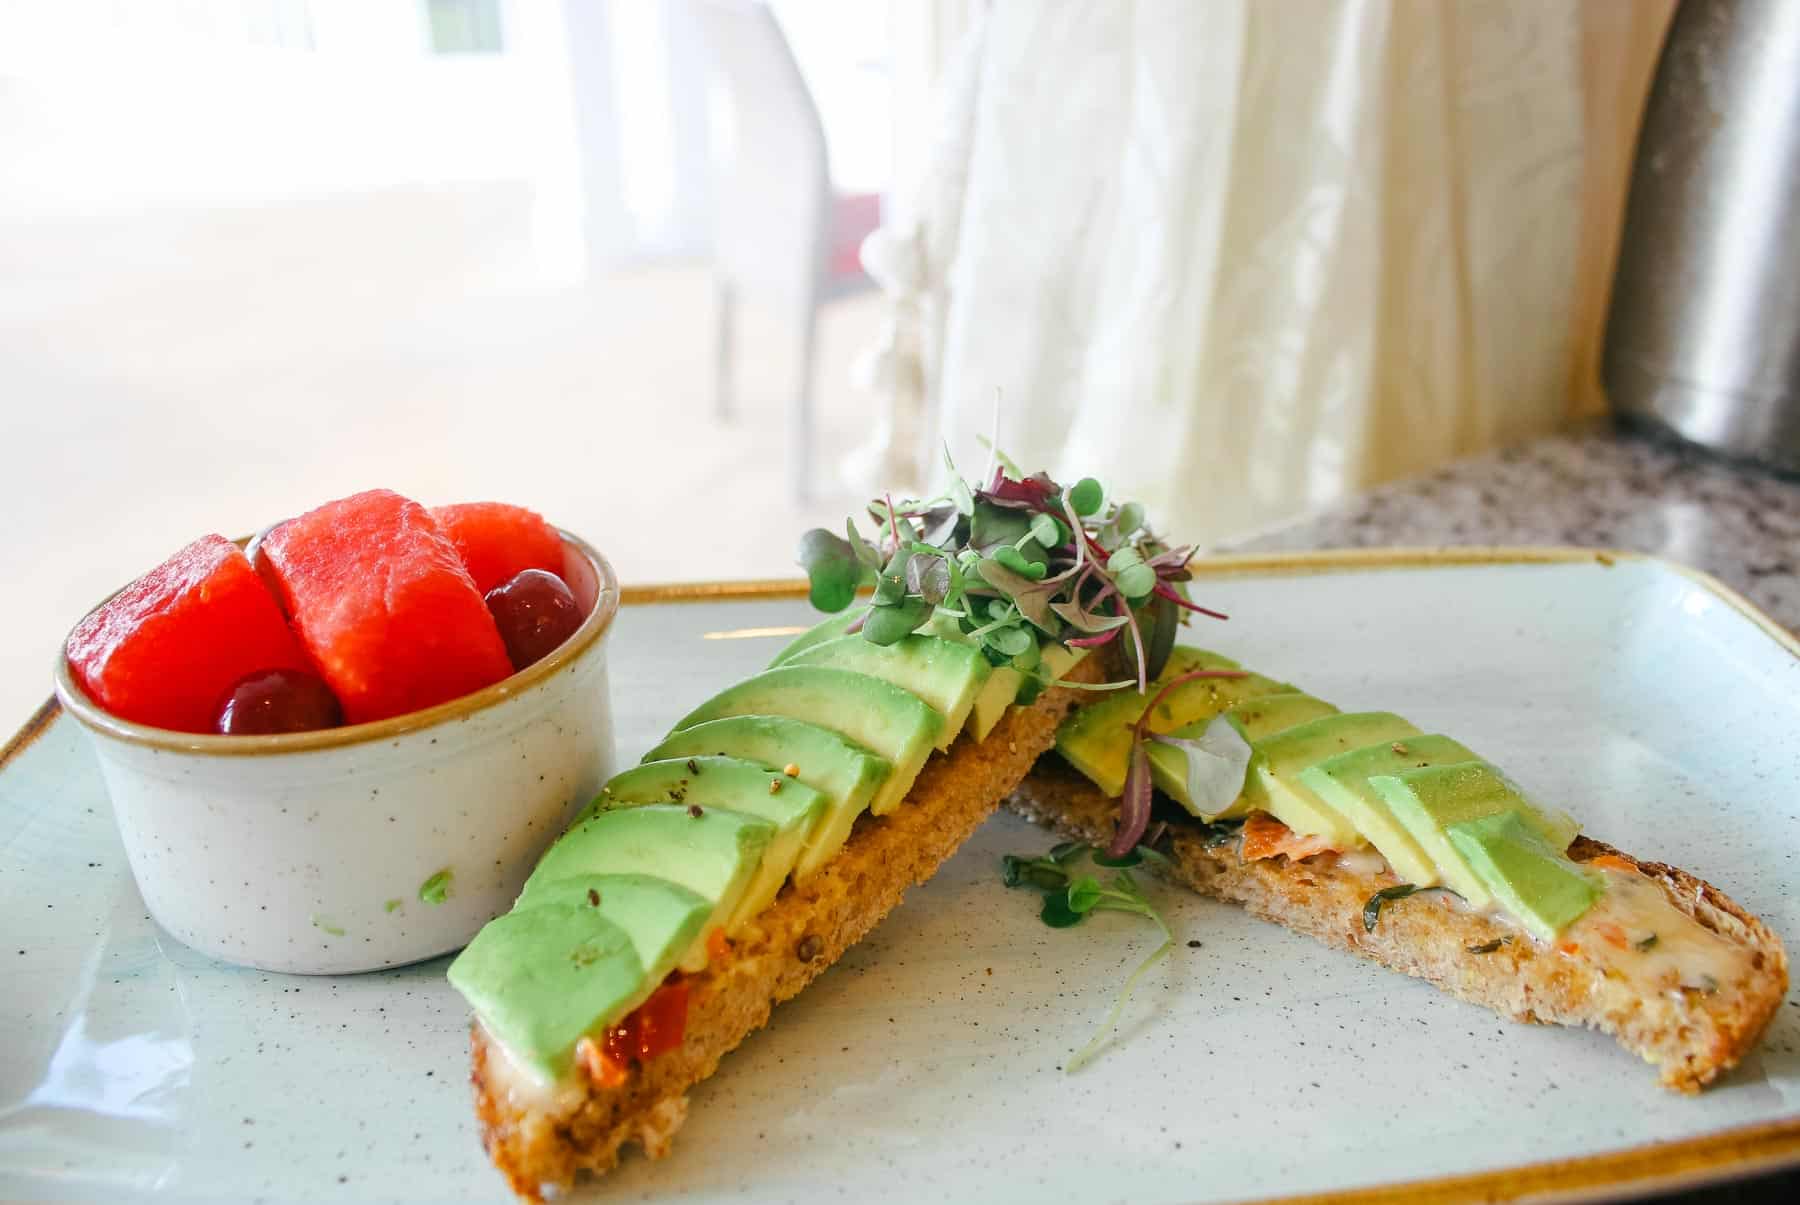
[1593, 487]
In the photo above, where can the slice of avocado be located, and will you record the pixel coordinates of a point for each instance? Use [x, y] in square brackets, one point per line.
[664, 920]
[1056, 660]
[1343, 783]
[541, 978]
[1274, 781]
[1429, 800]
[715, 854]
[847, 774]
[794, 808]
[1255, 719]
[877, 715]
[1541, 888]
[1006, 682]
[1266, 715]
[832, 627]
[947, 674]
[997, 694]
[1096, 740]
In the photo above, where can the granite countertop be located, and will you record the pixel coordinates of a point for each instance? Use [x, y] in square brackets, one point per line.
[1592, 486]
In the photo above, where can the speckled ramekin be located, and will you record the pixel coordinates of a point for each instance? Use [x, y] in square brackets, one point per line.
[372, 845]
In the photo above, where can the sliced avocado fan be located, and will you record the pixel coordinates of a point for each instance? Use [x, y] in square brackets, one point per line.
[699, 783]
[875, 714]
[1096, 740]
[946, 674]
[1435, 812]
[847, 774]
[715, 855]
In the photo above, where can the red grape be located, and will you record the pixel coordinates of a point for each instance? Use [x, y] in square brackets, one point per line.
[278, 700]
[535, 612]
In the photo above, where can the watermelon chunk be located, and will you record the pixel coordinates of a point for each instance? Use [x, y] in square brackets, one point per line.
[167, 649]
[390, 617]
[497, 542]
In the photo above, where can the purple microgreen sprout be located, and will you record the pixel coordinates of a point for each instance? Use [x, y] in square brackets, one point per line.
[1134, 801]
[1165, 591]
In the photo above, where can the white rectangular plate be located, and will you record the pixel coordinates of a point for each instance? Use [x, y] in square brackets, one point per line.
[926, 1064]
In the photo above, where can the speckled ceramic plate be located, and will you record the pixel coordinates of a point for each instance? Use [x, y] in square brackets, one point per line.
[926, 1064]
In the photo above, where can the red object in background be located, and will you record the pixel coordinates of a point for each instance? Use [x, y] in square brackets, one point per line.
[854, 217]
[656, 1026]
[382, 603]
[166, 649]
[497, 542]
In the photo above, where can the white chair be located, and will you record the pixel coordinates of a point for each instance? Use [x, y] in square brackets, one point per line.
[781, 236]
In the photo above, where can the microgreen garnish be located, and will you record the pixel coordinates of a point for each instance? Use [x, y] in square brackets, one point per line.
[1647, 943]
[1070, 897]
[1014, 564]
[1372, 910]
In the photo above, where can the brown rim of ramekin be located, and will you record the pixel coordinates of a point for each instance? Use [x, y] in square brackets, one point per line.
[598, 621]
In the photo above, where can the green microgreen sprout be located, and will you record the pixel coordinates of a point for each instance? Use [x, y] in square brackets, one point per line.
[1070, 897]
[1012, 565]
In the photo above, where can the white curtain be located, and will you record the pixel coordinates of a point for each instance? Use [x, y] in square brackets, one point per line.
[1240, 257]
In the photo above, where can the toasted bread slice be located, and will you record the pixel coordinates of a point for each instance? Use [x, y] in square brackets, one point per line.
[542, 1139]
[1692, 1033]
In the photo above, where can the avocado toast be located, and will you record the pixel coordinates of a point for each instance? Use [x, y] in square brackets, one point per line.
[782, 818]
[1411, 850]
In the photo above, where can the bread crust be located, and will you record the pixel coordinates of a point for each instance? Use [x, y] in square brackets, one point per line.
[541, 1145]
[1691, 1036]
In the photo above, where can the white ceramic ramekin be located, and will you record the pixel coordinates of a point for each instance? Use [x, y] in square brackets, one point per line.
[373, 845]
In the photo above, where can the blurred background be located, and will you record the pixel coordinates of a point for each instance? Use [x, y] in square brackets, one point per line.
[600, 257]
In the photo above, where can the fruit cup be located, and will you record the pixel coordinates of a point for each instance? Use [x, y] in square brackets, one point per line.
[373, 845]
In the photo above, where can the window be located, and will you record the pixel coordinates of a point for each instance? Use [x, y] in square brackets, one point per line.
[464, 26]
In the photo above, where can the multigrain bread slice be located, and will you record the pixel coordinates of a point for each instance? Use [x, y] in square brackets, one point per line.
[1693, 1034]
[541, 1141]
